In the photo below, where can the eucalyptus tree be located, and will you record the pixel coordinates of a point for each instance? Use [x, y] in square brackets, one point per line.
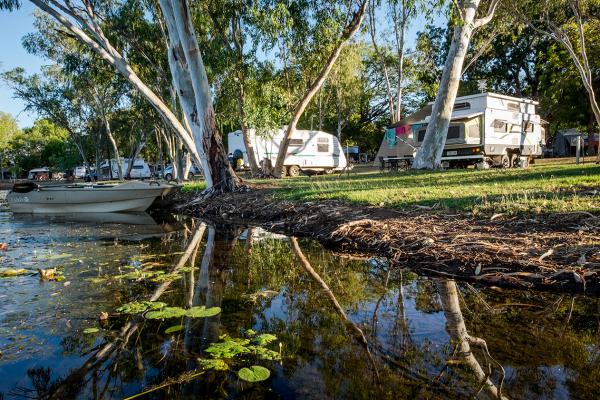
[8, 129]
[398, 14]
[53, 98]
[84, 20]
[568, 22]
[429, 154]
[327, 19]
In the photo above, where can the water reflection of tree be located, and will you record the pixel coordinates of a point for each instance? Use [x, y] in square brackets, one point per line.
[462, 341]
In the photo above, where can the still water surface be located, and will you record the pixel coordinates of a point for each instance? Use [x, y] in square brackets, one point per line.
[540, 345]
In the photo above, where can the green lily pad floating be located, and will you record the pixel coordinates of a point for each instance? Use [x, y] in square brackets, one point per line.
[58, 256]
[173, 329]
[216, 365]
[264, 339]
[229, 348]
[202, 312]
[255, 373]
[165, 313]
[87, 331]
[12, 272]
[138, 307]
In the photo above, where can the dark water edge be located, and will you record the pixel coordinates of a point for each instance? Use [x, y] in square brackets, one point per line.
[540, 345]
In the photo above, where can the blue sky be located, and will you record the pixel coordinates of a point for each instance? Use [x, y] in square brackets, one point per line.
[13, 26]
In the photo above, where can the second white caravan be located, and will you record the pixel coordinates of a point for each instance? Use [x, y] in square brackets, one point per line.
[308, 150]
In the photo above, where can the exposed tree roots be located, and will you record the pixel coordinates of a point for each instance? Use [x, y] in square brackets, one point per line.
[551, 252]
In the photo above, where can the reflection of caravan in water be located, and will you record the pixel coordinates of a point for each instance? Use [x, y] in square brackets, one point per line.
[486, 130]
[308, 150]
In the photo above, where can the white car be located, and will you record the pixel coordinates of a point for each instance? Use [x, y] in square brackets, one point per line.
[194, 172]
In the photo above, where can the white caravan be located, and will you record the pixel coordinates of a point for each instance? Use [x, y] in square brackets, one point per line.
[140, 169]
[489, 129]
[308, 150]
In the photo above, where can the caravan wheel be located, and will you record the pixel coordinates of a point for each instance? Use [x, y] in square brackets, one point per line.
[515, 161]
[283, 171]
[505, 161]
[294, 170]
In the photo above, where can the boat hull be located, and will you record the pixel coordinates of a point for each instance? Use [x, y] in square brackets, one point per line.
[127, 197]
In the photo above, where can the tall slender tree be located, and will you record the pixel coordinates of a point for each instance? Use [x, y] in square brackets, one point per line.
[430, 153]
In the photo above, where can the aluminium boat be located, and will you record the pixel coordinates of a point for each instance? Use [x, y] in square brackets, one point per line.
[132, 196]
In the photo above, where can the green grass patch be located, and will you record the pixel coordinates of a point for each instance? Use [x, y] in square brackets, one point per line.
[545, 188]
[193, 187]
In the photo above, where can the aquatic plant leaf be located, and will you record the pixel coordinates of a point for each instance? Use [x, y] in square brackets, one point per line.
[214, 364]
[255, 373]
[174, 328]
[228, 348]
[265, 354]
[202, 312]
[167, 312]
[138, 307]
[58, 256]
[90, 330]
[12, 272]
[250, 332]
[264, 339]
[162, 277]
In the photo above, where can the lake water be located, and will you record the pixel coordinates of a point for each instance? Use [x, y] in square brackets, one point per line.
[54, 345]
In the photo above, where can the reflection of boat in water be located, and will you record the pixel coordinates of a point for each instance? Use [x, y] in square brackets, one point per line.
[125, 226]
[133, 196]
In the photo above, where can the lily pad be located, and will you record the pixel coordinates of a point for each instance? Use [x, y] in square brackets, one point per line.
[229, 348]
[11, 272]
[264, 339]
[173, 329]
[165, 313]
[202, 312]
[90, 330]
[138, 307]
[217, 365]
[255, 373]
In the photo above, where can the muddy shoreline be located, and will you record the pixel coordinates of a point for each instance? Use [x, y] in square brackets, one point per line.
[557, 252]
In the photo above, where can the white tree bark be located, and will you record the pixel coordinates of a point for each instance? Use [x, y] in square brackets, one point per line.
[430, 153]
[347, 34]
[189, 73]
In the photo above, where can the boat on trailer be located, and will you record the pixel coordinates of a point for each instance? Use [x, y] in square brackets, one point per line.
[132, 196]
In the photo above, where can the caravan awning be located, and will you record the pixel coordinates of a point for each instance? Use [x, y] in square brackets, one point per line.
[455, 117]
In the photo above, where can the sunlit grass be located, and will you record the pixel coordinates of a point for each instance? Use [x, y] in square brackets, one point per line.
[543, 188]
[547, 188]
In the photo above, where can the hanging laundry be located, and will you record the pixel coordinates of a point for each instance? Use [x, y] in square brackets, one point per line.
[390, 137]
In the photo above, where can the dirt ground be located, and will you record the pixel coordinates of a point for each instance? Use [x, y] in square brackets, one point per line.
[559, 252]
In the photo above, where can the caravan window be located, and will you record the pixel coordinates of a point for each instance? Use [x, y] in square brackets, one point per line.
[296, 142]
[421, 134]
[453, 132]
[462, 106]
[323, 145]
[137, 166]
[499, 126]
[513, 107]
[528, 127]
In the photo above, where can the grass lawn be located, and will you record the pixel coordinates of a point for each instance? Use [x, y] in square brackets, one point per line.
[541, 188]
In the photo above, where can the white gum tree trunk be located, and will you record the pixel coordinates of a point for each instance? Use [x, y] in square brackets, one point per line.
[193, 89]
[430, 153]
[347, 34]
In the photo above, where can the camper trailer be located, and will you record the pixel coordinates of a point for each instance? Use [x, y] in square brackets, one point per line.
[140, 169]
[486, 130]
[308, 150]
